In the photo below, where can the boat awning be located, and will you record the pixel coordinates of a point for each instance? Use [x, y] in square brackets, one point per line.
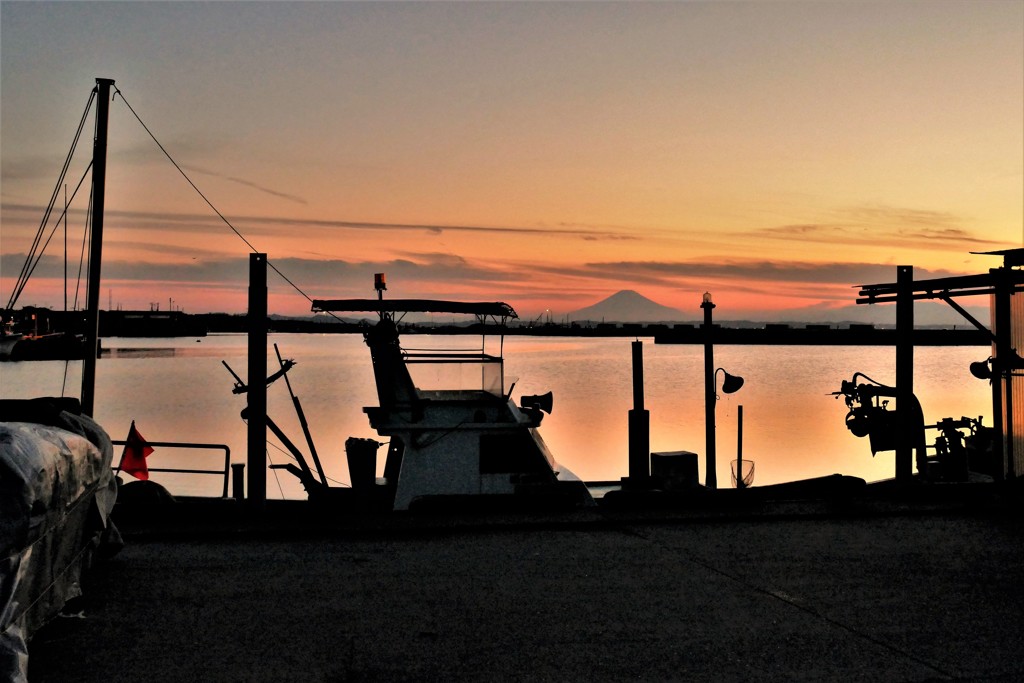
[496, 308]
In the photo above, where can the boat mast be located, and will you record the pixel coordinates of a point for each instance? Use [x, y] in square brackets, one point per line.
[92, 312]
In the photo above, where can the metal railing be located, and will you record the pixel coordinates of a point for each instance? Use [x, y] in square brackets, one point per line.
[207, 446]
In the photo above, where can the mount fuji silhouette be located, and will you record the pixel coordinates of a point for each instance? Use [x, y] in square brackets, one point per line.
[628, 306]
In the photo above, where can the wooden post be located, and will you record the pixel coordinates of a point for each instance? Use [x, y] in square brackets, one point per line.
[907, 428]
[1002, 374]
[257, 410]
[238, 480]
[739, 449]
[639, 424]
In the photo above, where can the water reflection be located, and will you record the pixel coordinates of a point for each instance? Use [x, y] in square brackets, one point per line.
[792, 427]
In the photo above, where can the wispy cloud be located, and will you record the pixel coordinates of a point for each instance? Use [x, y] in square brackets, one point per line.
[271, 224]
[442, 275]
[246, 183]
[671, 273]
[884, 226]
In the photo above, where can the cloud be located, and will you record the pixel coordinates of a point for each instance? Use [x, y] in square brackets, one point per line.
[247, 183]
[761, 271]
[884, 226]
[444, 276]
[899, 216]
[273, 224]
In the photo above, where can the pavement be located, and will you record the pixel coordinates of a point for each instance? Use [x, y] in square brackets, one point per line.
[925, 593]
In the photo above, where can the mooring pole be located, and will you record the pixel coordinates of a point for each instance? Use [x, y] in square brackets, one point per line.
[710, 475]
[639, 424]
[907, 436]
[1002, 374]
[257, 394]
[99, 184]
[739, 449]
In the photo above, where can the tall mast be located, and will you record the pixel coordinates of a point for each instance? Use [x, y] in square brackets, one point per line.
[92, 313]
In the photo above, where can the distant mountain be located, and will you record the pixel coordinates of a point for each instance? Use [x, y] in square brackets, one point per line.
[628, 306]
[926, 314]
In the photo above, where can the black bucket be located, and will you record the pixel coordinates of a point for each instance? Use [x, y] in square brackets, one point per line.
[362, 462]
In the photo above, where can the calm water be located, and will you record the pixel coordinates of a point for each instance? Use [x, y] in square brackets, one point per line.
[177, 390]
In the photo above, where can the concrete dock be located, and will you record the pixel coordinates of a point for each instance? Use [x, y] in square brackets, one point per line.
[914, 594]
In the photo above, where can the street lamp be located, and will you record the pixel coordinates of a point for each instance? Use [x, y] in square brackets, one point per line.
[981, 370]
[710, 477]
[730, 384]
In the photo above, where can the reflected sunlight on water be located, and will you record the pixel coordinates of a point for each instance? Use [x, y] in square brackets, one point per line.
[177, 390]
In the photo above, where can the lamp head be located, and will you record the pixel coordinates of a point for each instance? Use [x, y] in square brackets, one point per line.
[981, 369]
[730, 383]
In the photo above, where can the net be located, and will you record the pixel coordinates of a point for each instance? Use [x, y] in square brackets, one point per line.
[746, 478]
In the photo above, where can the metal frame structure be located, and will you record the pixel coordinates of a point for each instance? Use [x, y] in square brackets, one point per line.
[1000, 284]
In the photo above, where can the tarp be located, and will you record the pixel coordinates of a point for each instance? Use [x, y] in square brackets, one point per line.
[56, 494]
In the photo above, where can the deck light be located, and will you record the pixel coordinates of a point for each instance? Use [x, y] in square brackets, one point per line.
[981, 369]
[730, 383]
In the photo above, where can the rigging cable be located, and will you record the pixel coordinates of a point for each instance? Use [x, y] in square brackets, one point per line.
[29, 266]
[78, 280]
[208, 202]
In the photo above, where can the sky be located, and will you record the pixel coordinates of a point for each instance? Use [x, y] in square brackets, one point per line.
[546, 154]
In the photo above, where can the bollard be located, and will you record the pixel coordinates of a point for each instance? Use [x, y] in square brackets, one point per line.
[639, 426]
[238, 480]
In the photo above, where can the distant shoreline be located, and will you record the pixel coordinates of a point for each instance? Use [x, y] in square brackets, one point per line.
[180, 324]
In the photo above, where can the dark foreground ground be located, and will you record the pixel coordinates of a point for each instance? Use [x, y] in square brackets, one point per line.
[894, 597]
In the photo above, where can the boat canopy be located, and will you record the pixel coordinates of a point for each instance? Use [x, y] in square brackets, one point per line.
[496, 308]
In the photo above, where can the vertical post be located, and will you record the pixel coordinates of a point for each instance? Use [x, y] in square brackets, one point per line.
[638, 375]
[739, 449]
[710, 474]
[639, 424]
[257, 412]
[907, 435]
[238, 480]
[1002, 374]
[99, 184]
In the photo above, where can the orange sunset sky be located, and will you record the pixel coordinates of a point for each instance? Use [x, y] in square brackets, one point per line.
[543, 154]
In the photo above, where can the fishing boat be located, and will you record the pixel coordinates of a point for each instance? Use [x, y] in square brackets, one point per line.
[454, 436]
[28, 343]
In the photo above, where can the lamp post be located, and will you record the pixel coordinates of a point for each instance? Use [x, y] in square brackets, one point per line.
[710, 476]
[730, 384]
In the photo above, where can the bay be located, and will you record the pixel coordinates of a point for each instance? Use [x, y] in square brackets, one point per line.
[793, 428]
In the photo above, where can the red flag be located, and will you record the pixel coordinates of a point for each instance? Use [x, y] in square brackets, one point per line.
[133, 459]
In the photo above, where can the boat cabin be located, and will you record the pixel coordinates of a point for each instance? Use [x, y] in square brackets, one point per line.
[455, 436]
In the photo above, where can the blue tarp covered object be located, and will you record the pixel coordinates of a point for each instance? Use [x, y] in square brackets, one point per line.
[56, 494]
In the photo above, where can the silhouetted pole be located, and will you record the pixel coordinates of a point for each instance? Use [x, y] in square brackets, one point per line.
[257, 410]
[710, 476]
[99, 184]
[907, 433]
[1002, 368]
[739, 449]
[639, 424]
